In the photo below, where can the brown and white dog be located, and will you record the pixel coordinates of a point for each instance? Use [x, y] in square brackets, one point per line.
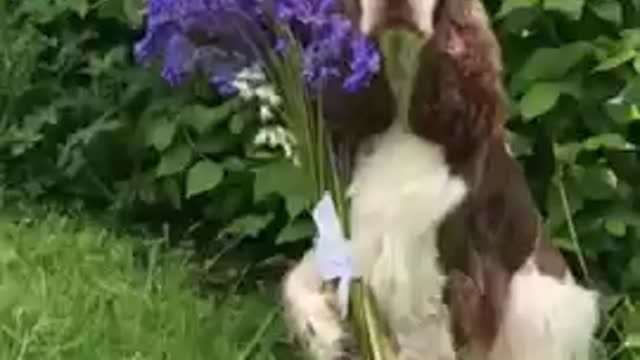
[444, 227]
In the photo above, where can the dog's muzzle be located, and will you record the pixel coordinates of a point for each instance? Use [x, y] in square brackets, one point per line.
[379, 15]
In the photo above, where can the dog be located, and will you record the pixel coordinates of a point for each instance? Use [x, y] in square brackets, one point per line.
[444, 228]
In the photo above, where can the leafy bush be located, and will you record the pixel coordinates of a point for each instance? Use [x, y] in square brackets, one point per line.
[573, 78]
[79, 117]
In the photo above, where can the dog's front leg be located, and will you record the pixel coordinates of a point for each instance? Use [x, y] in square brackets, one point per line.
[312, 312]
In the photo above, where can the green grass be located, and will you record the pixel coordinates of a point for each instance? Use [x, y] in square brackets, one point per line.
[71, 290]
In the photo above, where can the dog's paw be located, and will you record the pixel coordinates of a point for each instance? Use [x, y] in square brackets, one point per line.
[313, 315]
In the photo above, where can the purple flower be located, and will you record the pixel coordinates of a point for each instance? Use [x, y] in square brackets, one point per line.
[179, 58]
[305, 11]
[365, 62]
[172, 25]
[230, 31]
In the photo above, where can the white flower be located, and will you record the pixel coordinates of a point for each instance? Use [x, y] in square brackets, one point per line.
[251, 83]
[276, 136]
[244, 89]
[252, 74]
[268, 94]
[266, 113]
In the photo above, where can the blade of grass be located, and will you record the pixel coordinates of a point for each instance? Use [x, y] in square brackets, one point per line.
[255, 340]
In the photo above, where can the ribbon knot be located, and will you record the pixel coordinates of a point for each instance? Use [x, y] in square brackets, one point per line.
[332, 250]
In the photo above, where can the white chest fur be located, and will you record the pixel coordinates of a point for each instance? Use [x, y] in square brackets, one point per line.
[401, 192]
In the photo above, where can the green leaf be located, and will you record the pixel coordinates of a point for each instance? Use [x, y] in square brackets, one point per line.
[631, 92]
[636, 64]
[610, 141]
[553, 63]
[41, 11]
[203, 176]
[249, 225]
[596, 182]
[620, 111]
[81, 7]
[202, 118]
[510, 5]
[635, 112]
[632, 341]
[520, 145]
[129, 12]
[608, 10]
[564, 244]
[133, 10]
[631, 276]
[631, 37]
[111, 9]
[174, 160]
[627, 216]
[216, 143]
[161, 134]
[555, 206]
[567, 153]
[240, 120]
[173, 191]
[616, 228]
[621, 57]
[520, 21]
[571, 8]
[296, 230]
[287, 180]
[540, 98]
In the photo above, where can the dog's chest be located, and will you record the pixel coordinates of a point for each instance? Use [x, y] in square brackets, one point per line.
[401, 192]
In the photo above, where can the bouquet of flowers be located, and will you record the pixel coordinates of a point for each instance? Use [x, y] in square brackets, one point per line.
[297, 46]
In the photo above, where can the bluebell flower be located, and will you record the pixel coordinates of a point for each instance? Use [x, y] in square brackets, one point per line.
[365, 62]
[171, 25]
[179, 58]
[234, 29]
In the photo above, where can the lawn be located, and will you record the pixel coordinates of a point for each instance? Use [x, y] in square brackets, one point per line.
[71, 290]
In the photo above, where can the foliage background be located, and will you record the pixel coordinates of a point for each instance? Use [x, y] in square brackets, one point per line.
[79, 120]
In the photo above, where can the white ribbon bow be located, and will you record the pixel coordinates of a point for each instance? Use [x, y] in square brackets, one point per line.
[332, 250]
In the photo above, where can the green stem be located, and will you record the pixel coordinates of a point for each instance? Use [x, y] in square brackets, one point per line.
[566, 207]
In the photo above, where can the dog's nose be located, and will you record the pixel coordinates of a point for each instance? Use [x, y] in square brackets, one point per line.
[415, 15]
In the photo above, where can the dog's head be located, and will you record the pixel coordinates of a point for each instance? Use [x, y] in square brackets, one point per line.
[463, 34]
[459, 28]
[458, 100]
